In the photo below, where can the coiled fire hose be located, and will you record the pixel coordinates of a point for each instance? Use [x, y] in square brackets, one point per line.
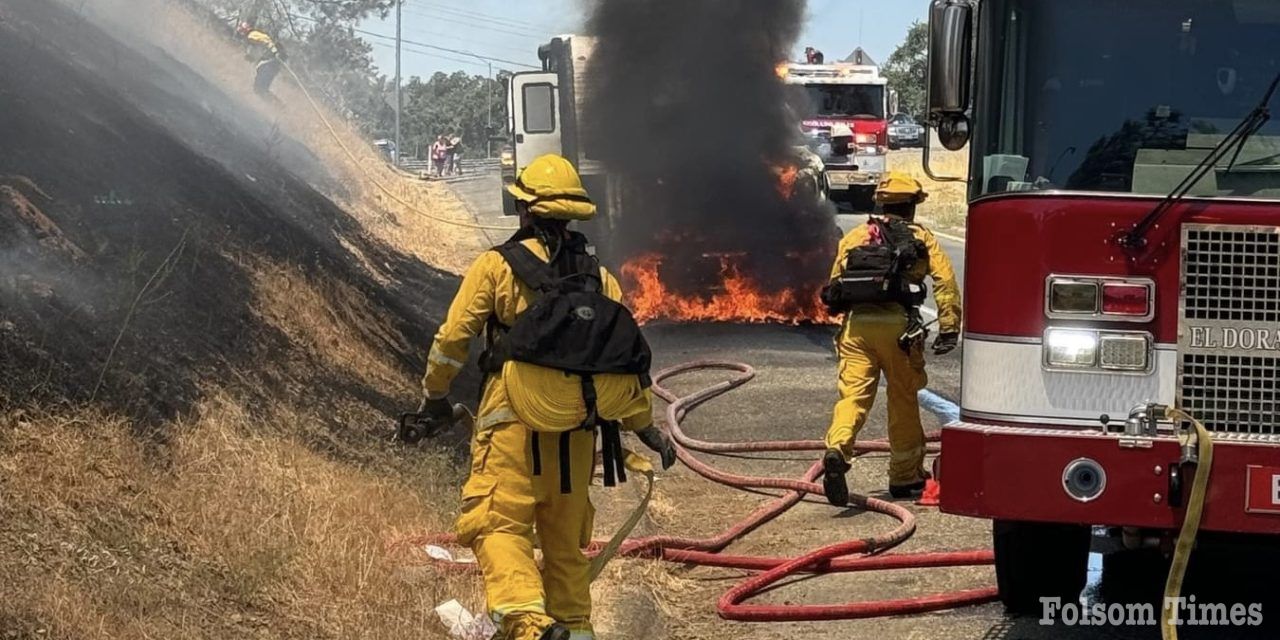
[1191, 521]
[862, 554]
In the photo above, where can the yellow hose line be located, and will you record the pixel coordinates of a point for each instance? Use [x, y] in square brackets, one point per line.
[337, 138]
[1190, 524]
[638, 464]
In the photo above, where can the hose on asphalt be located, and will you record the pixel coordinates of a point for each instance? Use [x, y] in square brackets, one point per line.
[861, 554]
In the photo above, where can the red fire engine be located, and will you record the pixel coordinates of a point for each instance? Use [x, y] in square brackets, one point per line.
[1123, 253]
[843, 107]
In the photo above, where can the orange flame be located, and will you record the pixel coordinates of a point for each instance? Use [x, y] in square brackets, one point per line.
[739, 298]
[781, 69]
[786, 181]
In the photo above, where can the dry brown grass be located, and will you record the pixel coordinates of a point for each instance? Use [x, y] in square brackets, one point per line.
[947, 205]
[320, 317]
[239, 529]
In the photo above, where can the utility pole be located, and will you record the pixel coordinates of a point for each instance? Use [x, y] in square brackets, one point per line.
[488, 130]
[398, 103]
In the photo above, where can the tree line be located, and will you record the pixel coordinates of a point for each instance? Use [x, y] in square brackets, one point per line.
[328, 52]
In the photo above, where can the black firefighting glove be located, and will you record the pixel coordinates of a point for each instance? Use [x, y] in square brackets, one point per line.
[436, 409]
[946, 343]
[914, 334]
[657, 440]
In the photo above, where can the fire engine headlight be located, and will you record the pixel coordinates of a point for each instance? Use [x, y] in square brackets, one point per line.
[1102, 351]
[865, 138]
[1070, 348]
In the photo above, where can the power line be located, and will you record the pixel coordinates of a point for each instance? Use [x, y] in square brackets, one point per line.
[483, 19]
[532, 35]
[484, 16]
[433, 35]
[429, 54]
[433, 46]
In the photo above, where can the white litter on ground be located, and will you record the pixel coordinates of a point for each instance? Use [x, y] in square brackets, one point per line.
[463, 624]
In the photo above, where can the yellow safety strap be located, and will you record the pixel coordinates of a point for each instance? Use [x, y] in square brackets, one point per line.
[637, 464]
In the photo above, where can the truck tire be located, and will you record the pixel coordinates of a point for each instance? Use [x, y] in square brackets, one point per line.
[1039, 560]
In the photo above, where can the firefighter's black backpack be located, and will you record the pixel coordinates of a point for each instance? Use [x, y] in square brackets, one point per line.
[877, 272]
[573, 327]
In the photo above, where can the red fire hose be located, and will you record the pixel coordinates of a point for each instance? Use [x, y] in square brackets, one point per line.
[863, 554]
[854, 555]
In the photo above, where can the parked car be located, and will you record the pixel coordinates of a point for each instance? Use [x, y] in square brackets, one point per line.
[904, 131]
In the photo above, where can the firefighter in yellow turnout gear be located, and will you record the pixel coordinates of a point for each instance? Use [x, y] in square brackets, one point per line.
[270, 57]
[888, 337]
[515, 487]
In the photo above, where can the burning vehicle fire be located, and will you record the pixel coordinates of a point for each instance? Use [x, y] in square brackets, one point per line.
[710, 212]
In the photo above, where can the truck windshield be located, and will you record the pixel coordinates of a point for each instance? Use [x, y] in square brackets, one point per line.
[844, 100]
[1123, 96]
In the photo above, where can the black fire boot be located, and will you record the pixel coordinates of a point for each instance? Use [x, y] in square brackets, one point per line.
[556, 631]
[834, 484]
[902, 491]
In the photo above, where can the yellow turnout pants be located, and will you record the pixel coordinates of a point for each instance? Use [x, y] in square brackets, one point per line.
[868, 346]
[504, 503]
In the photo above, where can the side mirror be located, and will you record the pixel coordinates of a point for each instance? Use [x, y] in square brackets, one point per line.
[953, 131]
[950, 55]
[950, 64]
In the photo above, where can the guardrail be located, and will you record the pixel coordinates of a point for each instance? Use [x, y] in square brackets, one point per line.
[416, 165]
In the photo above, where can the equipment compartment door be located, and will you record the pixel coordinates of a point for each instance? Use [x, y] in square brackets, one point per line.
[535, 116]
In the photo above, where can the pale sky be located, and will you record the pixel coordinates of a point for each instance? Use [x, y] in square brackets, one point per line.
[512, 30]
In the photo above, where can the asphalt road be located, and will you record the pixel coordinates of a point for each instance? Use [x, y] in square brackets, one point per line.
[790, 398]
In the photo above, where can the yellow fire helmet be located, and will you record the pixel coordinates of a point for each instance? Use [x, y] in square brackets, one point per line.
[897, 188]
[553, 190]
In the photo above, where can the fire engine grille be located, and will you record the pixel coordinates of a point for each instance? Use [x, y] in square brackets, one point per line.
[1232, 394]
[1231, 279]
[1232, 275]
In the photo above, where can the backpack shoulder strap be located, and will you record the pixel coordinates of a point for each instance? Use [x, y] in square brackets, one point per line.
[527, 266]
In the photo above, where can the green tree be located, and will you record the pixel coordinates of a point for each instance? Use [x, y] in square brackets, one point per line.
[456, 104]
[324, 49]
[907, 70]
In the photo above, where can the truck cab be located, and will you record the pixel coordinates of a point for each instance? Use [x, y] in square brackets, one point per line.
[546, 115]
[1122, 255]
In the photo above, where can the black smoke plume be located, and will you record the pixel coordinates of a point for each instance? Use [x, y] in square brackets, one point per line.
[686, 103]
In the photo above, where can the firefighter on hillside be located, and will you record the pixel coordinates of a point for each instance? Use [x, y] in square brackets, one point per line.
[270, 60]
[526, 477]
[883, 333]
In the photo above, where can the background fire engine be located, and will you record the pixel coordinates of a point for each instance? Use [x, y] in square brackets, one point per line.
[844, 109]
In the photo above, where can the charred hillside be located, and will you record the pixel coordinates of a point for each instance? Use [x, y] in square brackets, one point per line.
[157, 240]
[206, 326]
